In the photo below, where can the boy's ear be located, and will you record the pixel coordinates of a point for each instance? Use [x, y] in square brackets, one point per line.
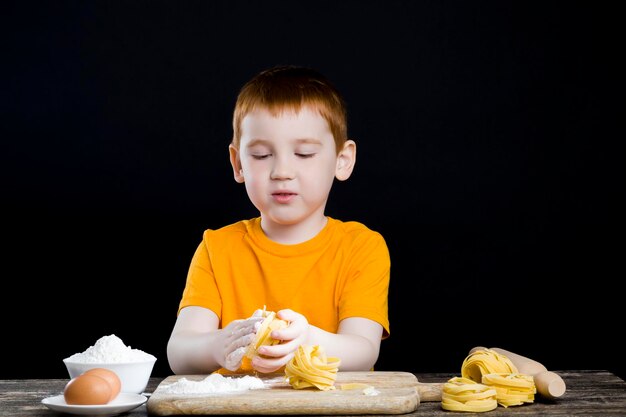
[236, 164]
[346, 160]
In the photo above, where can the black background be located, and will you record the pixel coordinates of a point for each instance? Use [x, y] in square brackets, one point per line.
[488, 158]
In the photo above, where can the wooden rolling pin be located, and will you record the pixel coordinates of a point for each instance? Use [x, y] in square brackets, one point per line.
[549, 384]
[429, 391]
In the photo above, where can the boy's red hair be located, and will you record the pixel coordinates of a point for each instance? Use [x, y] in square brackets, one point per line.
[290, 88]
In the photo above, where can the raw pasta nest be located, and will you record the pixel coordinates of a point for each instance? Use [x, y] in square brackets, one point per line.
[464, 394]
[511, 389]
[485, 361]
[310, 367]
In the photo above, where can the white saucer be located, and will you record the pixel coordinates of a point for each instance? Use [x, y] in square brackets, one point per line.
[123, 402]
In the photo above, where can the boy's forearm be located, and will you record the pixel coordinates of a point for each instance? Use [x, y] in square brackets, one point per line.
[192, 353]
[357, 353]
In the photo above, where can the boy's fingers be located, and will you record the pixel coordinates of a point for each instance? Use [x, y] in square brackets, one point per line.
[278, 351]
[232, 361]
[267, 365]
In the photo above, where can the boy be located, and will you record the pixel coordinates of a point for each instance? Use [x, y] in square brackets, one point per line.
[329, 279]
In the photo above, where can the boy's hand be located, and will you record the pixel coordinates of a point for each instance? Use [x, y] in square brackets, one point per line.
[276, 356]
[236, 338]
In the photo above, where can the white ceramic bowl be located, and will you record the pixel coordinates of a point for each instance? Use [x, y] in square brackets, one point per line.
[133, 375]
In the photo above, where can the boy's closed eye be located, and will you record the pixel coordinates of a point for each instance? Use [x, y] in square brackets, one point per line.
[261, 156]
[308, 149]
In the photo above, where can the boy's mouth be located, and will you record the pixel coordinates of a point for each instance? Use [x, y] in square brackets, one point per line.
[283, 196]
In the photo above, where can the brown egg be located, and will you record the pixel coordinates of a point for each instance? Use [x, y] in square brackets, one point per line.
[87, 390]
[110, 376]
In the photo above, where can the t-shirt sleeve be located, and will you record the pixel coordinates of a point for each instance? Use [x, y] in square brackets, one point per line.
[201, 287]
[365, 293]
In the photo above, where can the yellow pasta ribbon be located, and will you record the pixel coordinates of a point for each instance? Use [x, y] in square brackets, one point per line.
[486, 361]
[464, 394]
[310, 367]
[511, 389]
[354, 385]
[263, 334]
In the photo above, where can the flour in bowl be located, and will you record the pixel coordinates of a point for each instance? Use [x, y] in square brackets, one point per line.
[213, 384]
[110, 349]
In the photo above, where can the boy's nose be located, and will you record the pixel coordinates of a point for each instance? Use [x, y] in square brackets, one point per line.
[282, 170]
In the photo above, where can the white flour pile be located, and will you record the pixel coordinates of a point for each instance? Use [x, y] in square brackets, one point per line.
[371, 391]
[213, 384]
[110, 349]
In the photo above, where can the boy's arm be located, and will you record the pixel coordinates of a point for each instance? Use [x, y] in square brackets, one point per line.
[197, 346]
[357, 343]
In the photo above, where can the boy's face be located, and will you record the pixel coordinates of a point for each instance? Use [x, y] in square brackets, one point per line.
[288, 164]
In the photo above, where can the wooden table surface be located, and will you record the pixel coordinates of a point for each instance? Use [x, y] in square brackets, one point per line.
[589, 393]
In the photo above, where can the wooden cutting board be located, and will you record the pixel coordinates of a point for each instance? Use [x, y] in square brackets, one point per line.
[399, 393]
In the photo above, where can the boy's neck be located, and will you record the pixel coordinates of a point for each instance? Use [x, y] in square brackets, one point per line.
[292, 234]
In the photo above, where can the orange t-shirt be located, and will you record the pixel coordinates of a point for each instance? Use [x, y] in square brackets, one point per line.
[342, 272]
